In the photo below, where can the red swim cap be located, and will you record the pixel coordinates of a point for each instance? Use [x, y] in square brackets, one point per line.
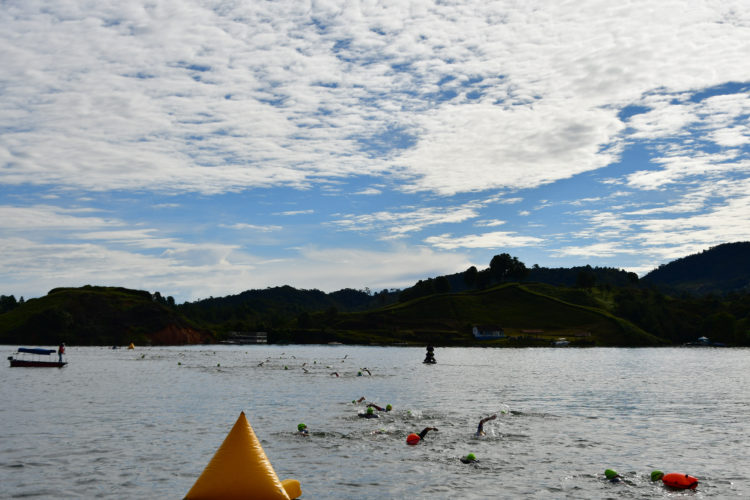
[412, 439]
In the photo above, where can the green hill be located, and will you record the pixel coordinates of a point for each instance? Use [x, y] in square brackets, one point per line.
[528, 317]
[97, 316]
[720, 269]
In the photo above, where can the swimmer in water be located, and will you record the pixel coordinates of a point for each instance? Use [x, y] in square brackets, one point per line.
[480, 427]
[380, 408]
[302, 430]
[370, 413]
[469, 459]
[413, 439]
[612, 476]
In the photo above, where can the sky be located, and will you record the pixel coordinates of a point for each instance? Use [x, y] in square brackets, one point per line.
[204, 148]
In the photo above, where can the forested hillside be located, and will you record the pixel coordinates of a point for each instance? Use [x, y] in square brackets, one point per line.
[721, 269]
[98, 316]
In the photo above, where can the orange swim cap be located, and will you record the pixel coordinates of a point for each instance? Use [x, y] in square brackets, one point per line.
[412, 439]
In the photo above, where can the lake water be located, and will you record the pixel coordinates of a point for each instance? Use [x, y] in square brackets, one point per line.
[144, 423]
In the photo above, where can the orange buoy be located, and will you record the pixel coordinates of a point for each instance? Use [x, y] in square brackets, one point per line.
[412, 439]
[681, 481]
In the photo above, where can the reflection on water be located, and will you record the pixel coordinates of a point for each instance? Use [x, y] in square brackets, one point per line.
[144, 423]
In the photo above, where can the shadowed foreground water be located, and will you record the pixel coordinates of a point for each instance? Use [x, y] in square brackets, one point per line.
[144, 423]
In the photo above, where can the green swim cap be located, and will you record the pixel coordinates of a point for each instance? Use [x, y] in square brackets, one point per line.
[656, 475]
[609, 473]
[301, 427]
[471, 456]
[388, 407]
[370, 410]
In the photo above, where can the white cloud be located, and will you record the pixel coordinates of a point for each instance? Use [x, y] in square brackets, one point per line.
[604, 249]
[476, 147]
[496, 239]
[408, 221]
[196, 271]
[703, 216]
[681, 168]
[195, 97]
[52, 218]
[489, 223]
[295, 212]
[252, 227]
[45, 247]
[369, 191]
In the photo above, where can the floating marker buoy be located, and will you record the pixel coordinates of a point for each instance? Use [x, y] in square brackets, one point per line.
[412, 439]
[680, 481]
[240, 470]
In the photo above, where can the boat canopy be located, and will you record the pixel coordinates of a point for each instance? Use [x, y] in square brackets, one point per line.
[36, 350]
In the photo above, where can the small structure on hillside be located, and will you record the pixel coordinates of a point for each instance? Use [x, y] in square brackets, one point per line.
[243, 338]
[705, 342]
[487, 332]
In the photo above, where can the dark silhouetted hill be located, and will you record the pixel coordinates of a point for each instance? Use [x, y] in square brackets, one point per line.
[721, 269]
[93, 315]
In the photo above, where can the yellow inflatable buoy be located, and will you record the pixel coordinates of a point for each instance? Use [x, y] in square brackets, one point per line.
[240, 470]
[131, 346]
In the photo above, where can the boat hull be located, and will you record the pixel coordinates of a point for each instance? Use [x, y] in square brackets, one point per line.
[37, 364]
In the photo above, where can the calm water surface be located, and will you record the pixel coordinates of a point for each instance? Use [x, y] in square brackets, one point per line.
[144, 423]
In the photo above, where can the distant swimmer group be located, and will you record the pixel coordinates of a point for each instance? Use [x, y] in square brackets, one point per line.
[388, 407]
[673, 480]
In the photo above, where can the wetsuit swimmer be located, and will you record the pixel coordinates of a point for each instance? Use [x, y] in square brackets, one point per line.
[388, 407]
[302, 430]
[480, 427]
[469, 459]
[413, 439]
[369, 414]
[612, 476]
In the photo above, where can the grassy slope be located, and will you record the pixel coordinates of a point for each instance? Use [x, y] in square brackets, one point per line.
[108, 316]
[448, 318]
